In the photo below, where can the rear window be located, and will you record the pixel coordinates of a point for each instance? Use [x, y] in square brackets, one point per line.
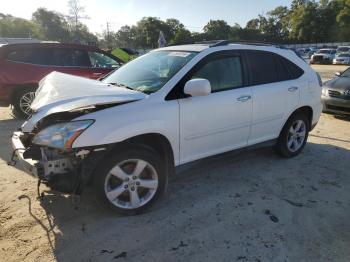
[343, 49]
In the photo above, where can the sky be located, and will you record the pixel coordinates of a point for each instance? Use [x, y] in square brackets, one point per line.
[194, 14]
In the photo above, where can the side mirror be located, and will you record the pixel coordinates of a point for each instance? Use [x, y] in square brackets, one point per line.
[197, 87]
[337, 74]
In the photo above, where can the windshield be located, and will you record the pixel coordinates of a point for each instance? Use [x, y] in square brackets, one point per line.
[346, 73]
[343, 49]
[324, 51]
[150, 72]
[344, 55]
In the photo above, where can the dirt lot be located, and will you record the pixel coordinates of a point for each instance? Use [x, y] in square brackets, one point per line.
[246, 206]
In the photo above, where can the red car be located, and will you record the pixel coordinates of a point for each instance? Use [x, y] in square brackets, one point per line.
[22, 66]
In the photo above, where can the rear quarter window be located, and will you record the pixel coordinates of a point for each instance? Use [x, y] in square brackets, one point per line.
[31, 56]
[289, 67]
[19, 55]
[267, 67]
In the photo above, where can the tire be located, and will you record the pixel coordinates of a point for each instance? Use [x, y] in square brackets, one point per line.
[21, 102]
[117, 181]
[290, 144]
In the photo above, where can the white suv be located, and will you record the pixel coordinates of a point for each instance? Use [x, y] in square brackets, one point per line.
[125, 134]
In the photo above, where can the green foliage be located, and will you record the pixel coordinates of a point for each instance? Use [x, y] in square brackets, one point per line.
[52, 26]
[217, 29]
[17, 27]
[304, 21]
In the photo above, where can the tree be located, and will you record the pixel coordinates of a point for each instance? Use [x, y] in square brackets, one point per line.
[174, 26]
[147, 30]
[343, 20]
[17, 27]
[76, 13]
[182, 36]
[217, 29]
[52, 25]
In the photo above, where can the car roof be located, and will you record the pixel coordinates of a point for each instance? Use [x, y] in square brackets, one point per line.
[199, 47]
[12, 47]
[47, 45]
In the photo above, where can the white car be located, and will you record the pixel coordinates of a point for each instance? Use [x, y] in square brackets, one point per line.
[342, 59]
[323, 56]
[124, 135]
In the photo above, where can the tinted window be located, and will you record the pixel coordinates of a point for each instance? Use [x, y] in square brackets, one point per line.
[287, 70]
[263, 67]
[222, 73]
[19, 55]
[70, 57]
[32, 56]
[100, 60]
[294, 70]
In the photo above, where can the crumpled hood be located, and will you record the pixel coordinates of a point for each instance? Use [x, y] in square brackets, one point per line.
[60, 92]
[63, 92]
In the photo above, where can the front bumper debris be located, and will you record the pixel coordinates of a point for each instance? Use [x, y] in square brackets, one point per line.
[30, 166]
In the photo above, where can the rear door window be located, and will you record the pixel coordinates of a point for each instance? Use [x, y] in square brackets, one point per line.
[70, 58]
[263, 68]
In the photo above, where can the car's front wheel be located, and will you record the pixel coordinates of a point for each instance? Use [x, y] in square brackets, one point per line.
[130, 180]
[22, 101]
[293, 136]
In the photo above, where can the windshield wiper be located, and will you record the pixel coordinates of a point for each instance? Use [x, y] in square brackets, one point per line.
[121, 85]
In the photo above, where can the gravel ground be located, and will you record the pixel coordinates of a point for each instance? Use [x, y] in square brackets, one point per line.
[249, 205]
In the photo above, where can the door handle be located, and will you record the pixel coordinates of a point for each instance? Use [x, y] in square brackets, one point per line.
[244, 98]
[293, 89]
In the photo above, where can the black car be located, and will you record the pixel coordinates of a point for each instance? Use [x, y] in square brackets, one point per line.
[336, 94]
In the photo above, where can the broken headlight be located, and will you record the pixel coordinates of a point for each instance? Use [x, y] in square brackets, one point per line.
[61, 135]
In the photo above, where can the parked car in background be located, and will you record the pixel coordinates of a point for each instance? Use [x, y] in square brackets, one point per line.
[342, 59]
[336, 94]
[343, 49]
[22, 66]
[323, 56]
[167, 108]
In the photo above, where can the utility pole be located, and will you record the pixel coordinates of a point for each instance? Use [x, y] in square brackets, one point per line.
[108, 35]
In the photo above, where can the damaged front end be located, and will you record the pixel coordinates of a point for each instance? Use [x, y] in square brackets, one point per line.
[47, 153]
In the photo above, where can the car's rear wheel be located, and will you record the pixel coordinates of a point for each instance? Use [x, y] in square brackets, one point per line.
[293, 136]
[22, 101]
[131, 180]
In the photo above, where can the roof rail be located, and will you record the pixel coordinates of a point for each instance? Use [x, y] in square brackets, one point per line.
[214, 43]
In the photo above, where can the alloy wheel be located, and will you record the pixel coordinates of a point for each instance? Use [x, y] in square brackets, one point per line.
[131, 184]
[296, 135]
[25, 101]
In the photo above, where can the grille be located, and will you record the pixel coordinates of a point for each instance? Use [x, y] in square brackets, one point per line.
[318, 58]
[334, 93]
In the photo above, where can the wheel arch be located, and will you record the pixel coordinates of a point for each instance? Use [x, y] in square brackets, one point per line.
[18, 88]
[159, 143]
[306, 110]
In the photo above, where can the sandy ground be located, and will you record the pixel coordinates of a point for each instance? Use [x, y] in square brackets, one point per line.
[241, 206]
